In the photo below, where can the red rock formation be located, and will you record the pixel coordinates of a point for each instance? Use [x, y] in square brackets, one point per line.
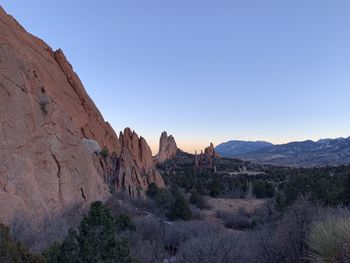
[210, 151]
[136, 169]
[49, 131]
[167, 148]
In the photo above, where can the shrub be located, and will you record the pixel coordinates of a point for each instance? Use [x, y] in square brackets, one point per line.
[123, 222]
[198, 200]
[235, 221]
[152, 190]
[12, 251]
[285, 241]
[263, 189]
[95, 242]
[165, 200]
[329, 240]
[215, 188]
[180, 209]
[280, 202]
[147, 245]
[104, 152]
[213, 248]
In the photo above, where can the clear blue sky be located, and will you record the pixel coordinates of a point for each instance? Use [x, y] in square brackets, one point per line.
[206, 70]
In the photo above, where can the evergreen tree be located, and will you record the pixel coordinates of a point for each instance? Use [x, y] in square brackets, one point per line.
[152, 190]
[123, 222]
[180, 209]
[95, 242]
[215, 188]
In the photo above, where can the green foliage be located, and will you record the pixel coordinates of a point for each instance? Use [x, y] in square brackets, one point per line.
[215, 188]
[329, 241]
[320, 183]
[123, 222]
[12, 251]
[96, 240]
[280, 202]
[198, 200]
[104, 152]
[152, 190]
[200, 187]
[172, 202]
[164, 199]
[263, 189]
[180, 209]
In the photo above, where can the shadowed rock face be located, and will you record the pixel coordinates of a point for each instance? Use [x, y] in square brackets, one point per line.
[50, 131]
[167, 148]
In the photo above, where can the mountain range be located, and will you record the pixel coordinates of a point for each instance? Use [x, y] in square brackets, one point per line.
[324, 152]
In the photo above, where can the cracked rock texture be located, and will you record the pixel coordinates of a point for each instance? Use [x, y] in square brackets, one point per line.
[50, 131]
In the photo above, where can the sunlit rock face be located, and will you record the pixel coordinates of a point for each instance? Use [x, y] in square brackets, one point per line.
[167, 148]
[136, 168]
[210, 150]
[51, 132]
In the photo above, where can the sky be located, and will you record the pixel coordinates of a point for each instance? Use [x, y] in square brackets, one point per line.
[206, 71]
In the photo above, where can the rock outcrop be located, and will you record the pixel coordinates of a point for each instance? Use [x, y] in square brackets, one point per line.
[210, 151]
[167, 148]
[50, 131]
[207, 158]
[136, 169]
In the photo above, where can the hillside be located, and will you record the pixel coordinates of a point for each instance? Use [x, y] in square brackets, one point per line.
[308, 153]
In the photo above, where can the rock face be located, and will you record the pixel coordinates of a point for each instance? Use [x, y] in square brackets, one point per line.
[167, 148]
[50, 131]
[136, 169]
[211, 151]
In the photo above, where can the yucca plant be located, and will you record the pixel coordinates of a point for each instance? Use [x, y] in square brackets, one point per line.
[329, 241]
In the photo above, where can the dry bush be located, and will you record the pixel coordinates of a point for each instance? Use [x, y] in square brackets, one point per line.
[285, 241]
[181, 231]
[147, 240]
[39, 235]
[238, 221]
[216, 247]
[121, 203]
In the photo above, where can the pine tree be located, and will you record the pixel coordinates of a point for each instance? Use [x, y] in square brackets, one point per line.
[180, 209]
[96, 240]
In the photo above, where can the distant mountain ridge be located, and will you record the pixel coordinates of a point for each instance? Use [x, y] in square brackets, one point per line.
[237, 148]
[299, 154]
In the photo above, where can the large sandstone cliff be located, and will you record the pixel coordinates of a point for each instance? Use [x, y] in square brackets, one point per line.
[50, 131]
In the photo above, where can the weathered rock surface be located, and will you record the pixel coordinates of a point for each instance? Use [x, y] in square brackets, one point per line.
[210, 150]
[167, 148]
[136, 169]
[133, 169]
[49, 132]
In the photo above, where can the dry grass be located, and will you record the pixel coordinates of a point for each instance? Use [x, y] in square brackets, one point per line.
[236, 205]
